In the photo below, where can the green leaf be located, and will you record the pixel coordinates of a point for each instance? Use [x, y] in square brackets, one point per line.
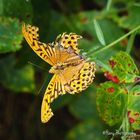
[83, 23]
[123, 68]
[18, 80]
[99, 33]
[111, 99]
[83, 107]
[1, 7]
[108, 37]
[132, 19]
[88, 130]
[62, 101]
[111, 30]
[109, 2]
[49, 29]
[10, 35]
[21, 9]
[134, 108]
[102, 65]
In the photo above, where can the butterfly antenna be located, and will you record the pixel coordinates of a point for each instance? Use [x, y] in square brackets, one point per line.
[44, 80]
[36, 65]
[42, 86]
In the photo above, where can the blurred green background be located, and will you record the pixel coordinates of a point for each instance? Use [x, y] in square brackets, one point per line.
[22, 84]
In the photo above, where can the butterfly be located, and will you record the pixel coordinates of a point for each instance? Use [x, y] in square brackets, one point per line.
[73, 73]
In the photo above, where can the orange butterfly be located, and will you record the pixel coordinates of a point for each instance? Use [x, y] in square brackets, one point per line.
[72, 72]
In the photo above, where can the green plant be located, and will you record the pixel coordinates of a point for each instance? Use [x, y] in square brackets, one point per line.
[110, 33]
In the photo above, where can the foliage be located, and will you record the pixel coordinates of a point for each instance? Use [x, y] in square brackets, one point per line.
[111, 103]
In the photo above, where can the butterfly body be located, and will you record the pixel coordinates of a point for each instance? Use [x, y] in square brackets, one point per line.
[73, 73]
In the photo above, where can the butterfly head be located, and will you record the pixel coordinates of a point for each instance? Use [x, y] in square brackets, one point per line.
[58, 67]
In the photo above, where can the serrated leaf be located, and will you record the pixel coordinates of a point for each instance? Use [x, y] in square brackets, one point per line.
[111, 99]
[18, 80]
[123, 67]
[10, 35]
[88, 130]
[134, 108]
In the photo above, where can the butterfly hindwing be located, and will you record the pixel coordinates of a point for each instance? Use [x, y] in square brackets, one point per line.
[82, 78]
[54, 89]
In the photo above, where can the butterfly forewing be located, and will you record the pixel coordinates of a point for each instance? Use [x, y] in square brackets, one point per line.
[45, 51]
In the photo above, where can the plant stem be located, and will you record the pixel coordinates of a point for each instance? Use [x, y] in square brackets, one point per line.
[115, 42]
